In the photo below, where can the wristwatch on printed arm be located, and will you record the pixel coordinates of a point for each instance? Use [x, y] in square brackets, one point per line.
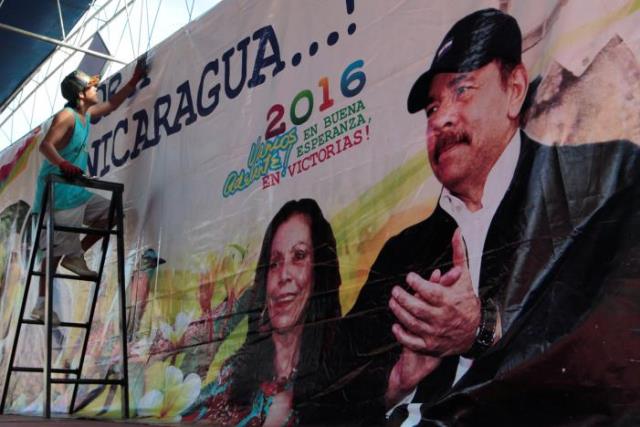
[486, 331]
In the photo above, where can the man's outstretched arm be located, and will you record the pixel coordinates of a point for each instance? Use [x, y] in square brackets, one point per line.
[118, 98]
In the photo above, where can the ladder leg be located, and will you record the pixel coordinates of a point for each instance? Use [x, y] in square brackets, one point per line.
[123, 308]
[51, 270]
[92, 308]
[23, 304]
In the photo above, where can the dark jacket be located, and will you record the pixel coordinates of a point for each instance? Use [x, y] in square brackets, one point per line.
[561, 260]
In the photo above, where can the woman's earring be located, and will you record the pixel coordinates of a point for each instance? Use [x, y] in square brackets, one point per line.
[263, 326]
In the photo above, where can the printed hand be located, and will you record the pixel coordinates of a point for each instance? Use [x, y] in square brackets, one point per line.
[408, 371]
[442, 317]
[70, 170]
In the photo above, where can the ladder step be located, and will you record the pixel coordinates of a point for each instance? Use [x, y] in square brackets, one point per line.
[25, 369]
[61, 324]
[82, 181]
[53, 370]
[64, 371]
[95, 381]
[68, 276]
[85, 230]
[74, 325]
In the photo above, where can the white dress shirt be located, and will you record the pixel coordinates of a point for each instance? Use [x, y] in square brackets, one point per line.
[474, 227]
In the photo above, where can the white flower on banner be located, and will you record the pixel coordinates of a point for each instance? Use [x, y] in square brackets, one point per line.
[175, 333]
[59, 404]
[171, 394]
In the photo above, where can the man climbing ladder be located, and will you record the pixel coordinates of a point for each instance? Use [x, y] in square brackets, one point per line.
[65, 150]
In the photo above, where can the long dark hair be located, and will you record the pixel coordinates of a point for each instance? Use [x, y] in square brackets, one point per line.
[253, 362]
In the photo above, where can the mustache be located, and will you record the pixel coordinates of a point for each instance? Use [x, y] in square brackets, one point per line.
[446, 140]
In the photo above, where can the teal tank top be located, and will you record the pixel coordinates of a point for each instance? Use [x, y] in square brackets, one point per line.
[67, 196]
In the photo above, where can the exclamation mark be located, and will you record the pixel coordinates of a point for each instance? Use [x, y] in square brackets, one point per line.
[350, 8]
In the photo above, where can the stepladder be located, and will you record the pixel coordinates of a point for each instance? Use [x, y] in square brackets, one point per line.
[71, 375]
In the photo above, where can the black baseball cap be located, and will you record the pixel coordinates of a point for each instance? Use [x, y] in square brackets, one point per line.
[75, 82]
[472, 42]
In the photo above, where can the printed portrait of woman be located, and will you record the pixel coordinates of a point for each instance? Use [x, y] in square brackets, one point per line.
[291, 328]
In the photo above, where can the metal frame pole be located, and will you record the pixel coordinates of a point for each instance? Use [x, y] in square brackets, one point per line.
[49, 74]
[59, 43]
[64, 35]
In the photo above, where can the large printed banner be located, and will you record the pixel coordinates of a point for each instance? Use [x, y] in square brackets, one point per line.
[300, 249]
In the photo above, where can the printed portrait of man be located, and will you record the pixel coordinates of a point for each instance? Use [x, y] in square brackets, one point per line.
[516, 299]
